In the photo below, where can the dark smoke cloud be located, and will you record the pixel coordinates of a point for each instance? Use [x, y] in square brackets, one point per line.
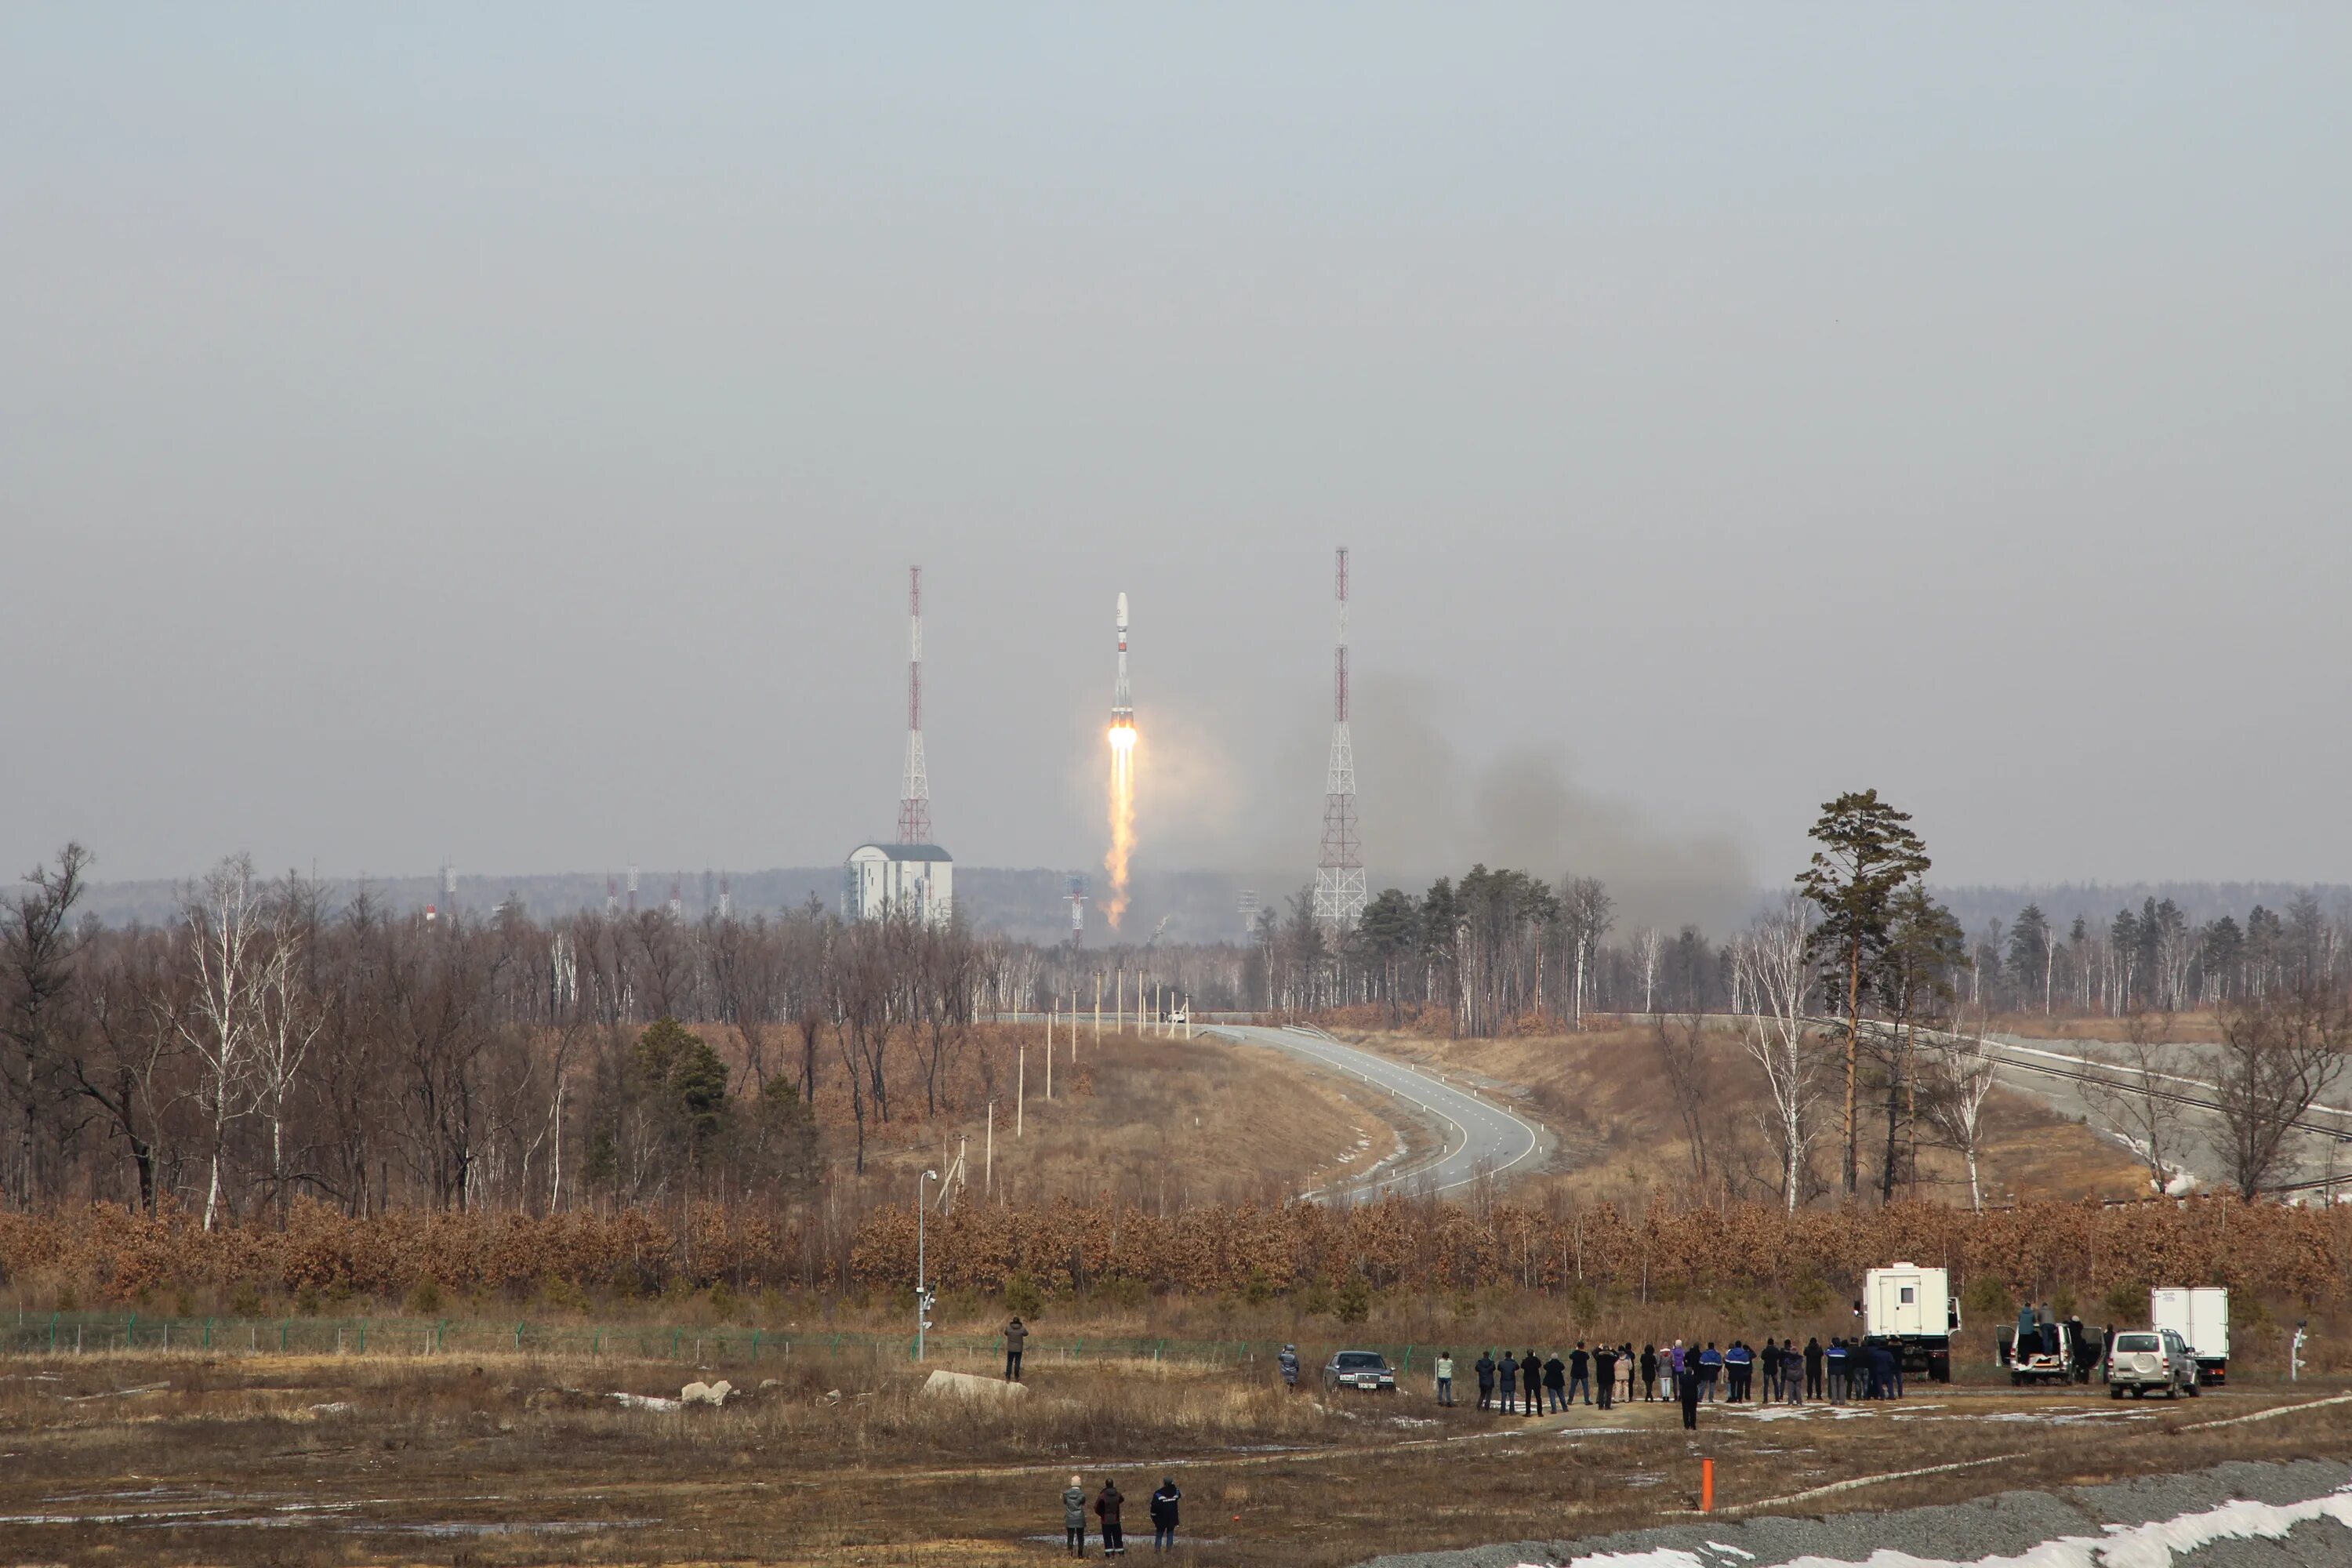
[1428, 813]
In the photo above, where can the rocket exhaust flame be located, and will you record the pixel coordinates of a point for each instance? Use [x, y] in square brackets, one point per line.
[1122, 781]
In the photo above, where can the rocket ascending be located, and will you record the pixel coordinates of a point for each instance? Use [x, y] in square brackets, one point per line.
[1122, 707]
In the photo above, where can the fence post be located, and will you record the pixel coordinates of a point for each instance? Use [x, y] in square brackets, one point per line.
[1408, 1358]
[755, 1345]
[283, 1324]
[53, 1331]
[130, 1334]
[363, 1336]
[208, 1333]
[676, 1338]
[518, 1336]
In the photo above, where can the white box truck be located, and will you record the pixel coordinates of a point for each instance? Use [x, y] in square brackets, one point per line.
[2199, 1314]
[1914, 1310]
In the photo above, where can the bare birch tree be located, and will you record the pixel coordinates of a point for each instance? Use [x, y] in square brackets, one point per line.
[1963, 1068]
[1774, 974]
[227, 951]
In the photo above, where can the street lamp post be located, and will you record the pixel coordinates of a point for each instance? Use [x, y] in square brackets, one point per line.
[923, 1295]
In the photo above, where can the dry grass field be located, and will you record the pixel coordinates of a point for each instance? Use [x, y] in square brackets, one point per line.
[500, 1460]
[1162, 1122]
[1621, 1135]
[2199, 1027]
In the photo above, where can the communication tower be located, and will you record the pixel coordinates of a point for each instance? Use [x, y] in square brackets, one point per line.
[1340, 875]
[914, 789]
[1077, 901]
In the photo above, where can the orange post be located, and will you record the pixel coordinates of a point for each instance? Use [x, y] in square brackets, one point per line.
[1707, 1485]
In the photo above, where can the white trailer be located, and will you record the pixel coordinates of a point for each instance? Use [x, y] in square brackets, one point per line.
[1914, 1310]
[2199, 1314]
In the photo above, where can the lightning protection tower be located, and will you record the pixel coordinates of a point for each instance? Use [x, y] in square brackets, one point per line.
[1340, 875]
[1077, 901]
[915, 790]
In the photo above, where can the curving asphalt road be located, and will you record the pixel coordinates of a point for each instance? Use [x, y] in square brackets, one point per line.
[1479, 1133]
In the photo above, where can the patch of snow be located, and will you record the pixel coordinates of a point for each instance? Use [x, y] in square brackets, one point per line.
[2156, 1544]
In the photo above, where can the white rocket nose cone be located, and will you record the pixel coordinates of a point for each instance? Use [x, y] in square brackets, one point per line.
[1122, 611]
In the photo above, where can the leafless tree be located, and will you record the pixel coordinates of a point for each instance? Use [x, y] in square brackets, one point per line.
[1649, 943]
[2278, 1056]
[227, 951]
[1681, 1054]
[1774, 966]
[1585, 911]
[1961, 1069]
[38, 946]
[288, 1017]
[2137, 1089]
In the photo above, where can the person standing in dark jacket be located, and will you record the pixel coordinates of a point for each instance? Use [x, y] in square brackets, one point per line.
[1510, 1383]
[1813, 1367]
[1016, 1335]
[1579, 1374]
[1649, 1373]
[1163, 1515]
[1604, 1373]
[1108, 1503]
[1531, 1371]
[1686, 1384]
[1485, 1370]
[1555, 1379]
[1770, 1357]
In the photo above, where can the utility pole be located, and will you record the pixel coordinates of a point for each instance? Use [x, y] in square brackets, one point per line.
[988, 1166]
[1020, 1087]
[922, 1294]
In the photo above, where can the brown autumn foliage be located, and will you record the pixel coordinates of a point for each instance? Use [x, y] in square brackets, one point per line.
[109, 1253]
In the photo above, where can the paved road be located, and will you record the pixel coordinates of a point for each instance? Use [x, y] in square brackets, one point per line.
[1478, 1132]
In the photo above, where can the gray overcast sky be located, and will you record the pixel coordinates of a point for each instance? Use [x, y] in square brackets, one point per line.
[503, 431]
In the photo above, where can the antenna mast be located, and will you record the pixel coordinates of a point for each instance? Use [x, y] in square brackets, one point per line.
[914, 791]
[1339, 876]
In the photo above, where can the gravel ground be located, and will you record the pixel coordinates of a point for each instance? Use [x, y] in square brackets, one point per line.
[2008, 1525]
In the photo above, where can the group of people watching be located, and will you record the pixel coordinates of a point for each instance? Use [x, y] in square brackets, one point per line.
[1532, 1383]
[1109, 1505]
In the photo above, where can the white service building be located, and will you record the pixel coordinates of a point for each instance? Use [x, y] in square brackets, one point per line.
[917, 880]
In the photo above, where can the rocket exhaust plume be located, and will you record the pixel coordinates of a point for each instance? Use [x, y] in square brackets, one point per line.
[1122, 781]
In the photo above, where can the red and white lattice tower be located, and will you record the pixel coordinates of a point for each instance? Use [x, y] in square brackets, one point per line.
[915, 790]
[1340, 875]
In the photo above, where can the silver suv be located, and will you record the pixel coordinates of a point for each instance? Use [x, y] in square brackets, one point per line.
[2147, 1359]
